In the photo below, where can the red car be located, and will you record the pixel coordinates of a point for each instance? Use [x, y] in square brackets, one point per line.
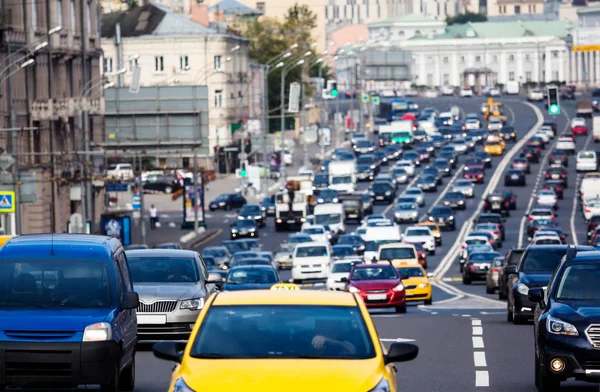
[379, 285]
[474, 174]
[579, 130]
[421, 253]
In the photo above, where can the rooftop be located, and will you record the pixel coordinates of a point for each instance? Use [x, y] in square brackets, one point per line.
[515, 29]
[42, 245]
[284, 297]
[409, 18]
[234, 7]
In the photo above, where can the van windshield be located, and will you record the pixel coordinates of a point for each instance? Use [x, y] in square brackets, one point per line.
[311, 251]
[52, 284]
[328, 219]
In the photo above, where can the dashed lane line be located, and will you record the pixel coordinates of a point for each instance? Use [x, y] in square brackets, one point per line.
[482, 377]
[478, 342]
[576, 195]
[479, 359]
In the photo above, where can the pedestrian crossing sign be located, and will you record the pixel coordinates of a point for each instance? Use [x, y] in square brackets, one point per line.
[7, 202]
[376, 100]
[365, 98]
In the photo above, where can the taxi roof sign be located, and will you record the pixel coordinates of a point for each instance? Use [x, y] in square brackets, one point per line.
[285, 286]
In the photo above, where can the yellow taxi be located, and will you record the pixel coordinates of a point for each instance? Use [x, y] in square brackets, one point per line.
[435, 231]
[398, 252]
[297, 340]
[494, 145]
[416, 283]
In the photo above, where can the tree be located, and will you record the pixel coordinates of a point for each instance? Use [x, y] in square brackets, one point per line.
[466, 18]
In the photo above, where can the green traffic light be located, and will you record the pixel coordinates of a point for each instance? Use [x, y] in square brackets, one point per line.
[334, 93]
[243, 173]
[554, 109]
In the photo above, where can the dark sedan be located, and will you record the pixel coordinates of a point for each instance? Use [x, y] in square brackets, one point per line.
[532, 154]
[244, 228]
[537, 224]
[515, 177]
[427, 183]
[455, 200]
[496, 203]
[255, 212]
[511, 197]
[474, 163]
[558, 157]
[557, 173]
[508, 268]
[477, 265]
[450, 156]
[227, 201]
[508, 133]
[443, 167]
[251, 277]
[383, 192]
[555, 185]
[443, 216]
[485, 157]
[474, 174]
[268, 206]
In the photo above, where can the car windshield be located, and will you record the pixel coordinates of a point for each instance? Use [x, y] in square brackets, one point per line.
[414, 192]
[542, 260]
[381, 187]
[548, 241]
[235, 246]
[163, 269]
[250, 210]
[341, 268]
[406, 207]
[580, 282]
[587, 155]
[222, 197]
[463, 183]
[342, 250]
[543, 222]
[365, 160]
[298, 239]
[476, 241]
[328, 219]
[350, 240]
[283, 331]
[373, 246]
[314, 230]
[214, 252]
[440, 211]
[54, 283]
[454, 196]
[485, 257]
[311, 251]
[410, 272]
[374, 273]
[341, 180]
[245, 222]
[541, 213]
[252, 276]
[396, 253]
[416, 232]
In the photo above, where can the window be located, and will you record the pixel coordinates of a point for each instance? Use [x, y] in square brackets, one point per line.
[528, 76]
[33, 15]
[217, 63]
[517, 9]
[88, 15]
[107, 64]
[445, 60]
[534, 6]
[462, 59]
[184, 64]
[511, 76]
[430, 79]
[555, 75]
[527, 57]
[73, 18]
[477, 59]
[59, 13]
[495, 58]
[446, 79]
[132, 64]
[555, 54]
[261, 6]
[218, 98]
[159, 64]
[511, 58]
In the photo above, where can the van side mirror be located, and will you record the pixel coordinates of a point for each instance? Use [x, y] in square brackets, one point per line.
[214, 279]
[374, 259]
[131, 300]
[169, 350]
[401, 352]
[536, 294]
[344, 280]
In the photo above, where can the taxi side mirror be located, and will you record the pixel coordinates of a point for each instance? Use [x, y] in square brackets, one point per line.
[401, 352]
[169, 350]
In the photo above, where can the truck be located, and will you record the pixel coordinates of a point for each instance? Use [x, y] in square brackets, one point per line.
[512, 87]
[342, 176]
[393, 108]
[291, 208]
[584, 108]
[385, 135]
[402, 132]
[493, 111]
[596, 129]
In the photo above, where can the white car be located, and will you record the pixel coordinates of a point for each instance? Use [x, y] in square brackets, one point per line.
[547, 197]
[546, 240]
[431, 94]
[491, 228]
[311, 260]
[420, 235]
[541, 213]
[542, 135]
[460, 146]
[494, 92]
[565, 143]
[408, 166]
[472, 123]
[473, 240]
[535, 95]
[465, 187]
[578, 122]
[483, 107]
[466, 92]
[591, 207]
[547, 130]
[546, 233]
[317, 233]
[288, 157]
[416, 192]
[495, 125]
[447, 91]
[122, 171]
[587, 161]
[338, 271]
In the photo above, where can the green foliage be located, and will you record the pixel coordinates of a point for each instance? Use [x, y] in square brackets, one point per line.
[466, 18]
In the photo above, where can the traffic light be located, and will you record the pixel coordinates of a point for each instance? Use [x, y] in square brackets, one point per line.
[553, 103]
[243, 171]
[334, 89]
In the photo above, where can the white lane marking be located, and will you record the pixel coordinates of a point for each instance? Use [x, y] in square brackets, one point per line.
[576, 195]
[443, 193]
[477, 331]
[482, 378]
[434, 312]
[448, 260]
[398, 340]
[476, 322]
[479, 359]
[478, 342]
[512, 115]
[392, 204]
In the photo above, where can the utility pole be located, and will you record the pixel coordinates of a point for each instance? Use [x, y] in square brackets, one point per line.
[265, 117]
[359, 92]
[282, 165]
[142, 208]
[306, 160]
[196, 192]
[51, 122]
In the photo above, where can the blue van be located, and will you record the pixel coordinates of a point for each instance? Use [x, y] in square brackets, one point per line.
[67, 313]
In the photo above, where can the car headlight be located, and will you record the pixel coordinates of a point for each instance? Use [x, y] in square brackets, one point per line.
[335, 199]
[451, 217]
[258, 216]
[382, 386]
[414, 213]
[251, 229]
[234, 230]
[423, 285]
[559, 327]
[319, 200]
[353, 289]
[222, 203]
[522, 289]
[431, 218]
[181, 386]
[388, 193]
[98, 332]
[371, 193]
[398, 215]
[241, 217]
[400, 287]
[461, 202]
[192, 304]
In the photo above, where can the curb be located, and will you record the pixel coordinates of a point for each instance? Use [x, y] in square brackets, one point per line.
[193, 240]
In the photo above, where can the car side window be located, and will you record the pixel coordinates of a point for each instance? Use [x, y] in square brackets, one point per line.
[119, 280]
[203, 267]
[123, 265]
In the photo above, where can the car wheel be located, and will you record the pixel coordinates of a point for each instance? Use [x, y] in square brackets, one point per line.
[401, 309]
[127, 380]
[490, 290]
[432, 252]
[516, 319]
[428, 301]
[545, 381]
[114, 384]
[466, 280]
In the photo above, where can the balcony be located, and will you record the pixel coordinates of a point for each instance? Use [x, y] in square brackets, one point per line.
[44, 110]
[92, 105]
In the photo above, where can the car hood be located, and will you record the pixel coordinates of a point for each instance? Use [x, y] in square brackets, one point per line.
[259, 375]
[586, 312]
[535, 280]
[375, 284]
[51, 319]
[338, 276]
[247, 286]
[150, 292]
[417, 238]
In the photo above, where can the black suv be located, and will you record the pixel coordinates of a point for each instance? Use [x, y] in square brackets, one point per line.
[535, 268]
[509, 267]
[383, 192]
[442, 215]
[493, 218]
[567, 322]
[253, 211]
[498, 203]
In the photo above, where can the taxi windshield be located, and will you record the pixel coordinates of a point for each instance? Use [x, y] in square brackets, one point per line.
[580, 282]
[397, 253]
[410, 272]
[311, 251]
[283, 331]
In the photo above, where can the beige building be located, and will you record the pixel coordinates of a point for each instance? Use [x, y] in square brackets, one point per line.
[172, 49]
[514, 7]
[55, 47]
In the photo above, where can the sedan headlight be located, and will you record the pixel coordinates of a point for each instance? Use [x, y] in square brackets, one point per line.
[258, 216]
[252, 229]
[241, 217]
[522, 289]
[388, 193]
[423, 285]
[353, 289]
[335, 200]
[398, 214]
[451, 217]
[192, 304]
[222, 203]
[382, 386]
[400, 287]
[414, 213]
[181, 386]
[98, 332]
[234, 230]
[559, 327]
[461, 202]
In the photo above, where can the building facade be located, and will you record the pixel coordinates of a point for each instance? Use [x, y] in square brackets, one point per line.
[174, 50]
[51, 73]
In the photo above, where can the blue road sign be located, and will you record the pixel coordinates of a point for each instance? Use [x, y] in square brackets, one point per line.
[116, 187]
[7, 202]
[136, 202]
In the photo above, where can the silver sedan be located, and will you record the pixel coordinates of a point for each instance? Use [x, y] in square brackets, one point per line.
[465, 187]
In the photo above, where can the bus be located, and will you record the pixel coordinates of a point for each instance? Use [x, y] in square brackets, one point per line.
[393, 109]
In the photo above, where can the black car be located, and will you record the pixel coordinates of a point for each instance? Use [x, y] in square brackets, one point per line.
[551, 124]
[567, 322]
[508, 133]
[485, 157]
[557, 173]
[363, 146]
[492, 218]
[559, 157]
[353, 240]
[244, 228]
[442, 215]
[515, 177]
[321, 181]
[383, 192]
[443, 167]
[367, 202]
[455, 200]
[364, 172]
[508, 267]
[412, 156]
[427, 183]
[535, 268]
[368, 159]
[393, 151]
[253, 211]
[449, 156]
[532, 154]
[434, 172]
[353, 207]
[555, 185]
[327, 196]
[380, 157]
[163, 183]
[227, 201]
[497, 203]
[477, 265]
[268, 205]
[511, 197]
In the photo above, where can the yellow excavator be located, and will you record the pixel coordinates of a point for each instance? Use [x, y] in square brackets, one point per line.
[493, 111]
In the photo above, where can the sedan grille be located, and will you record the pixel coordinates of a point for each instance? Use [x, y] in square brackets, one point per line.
[410, 287]
[157, 307]
[593, 335]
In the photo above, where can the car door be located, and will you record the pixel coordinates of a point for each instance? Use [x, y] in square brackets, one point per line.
[127, 317]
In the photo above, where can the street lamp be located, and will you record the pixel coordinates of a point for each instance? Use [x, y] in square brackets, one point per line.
[23, 65]
[35, 44]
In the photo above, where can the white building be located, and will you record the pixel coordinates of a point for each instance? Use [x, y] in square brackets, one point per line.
[171, 49]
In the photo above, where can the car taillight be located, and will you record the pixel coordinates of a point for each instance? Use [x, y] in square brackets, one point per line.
[492, 241]
[547, 175]
[530, 218]
[464, 247]
[506, 203]
[496, 232]
[588, 210]
[485, 203]
[495, 270]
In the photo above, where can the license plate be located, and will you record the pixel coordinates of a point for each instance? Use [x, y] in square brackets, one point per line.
[515, 177]
[495, 205]
[441, 220]
[379, 197]
[376, 297]
[291, 221]
[243, 232]
[557, 161]
[151, 319]
[352, 216]
[555, 176]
